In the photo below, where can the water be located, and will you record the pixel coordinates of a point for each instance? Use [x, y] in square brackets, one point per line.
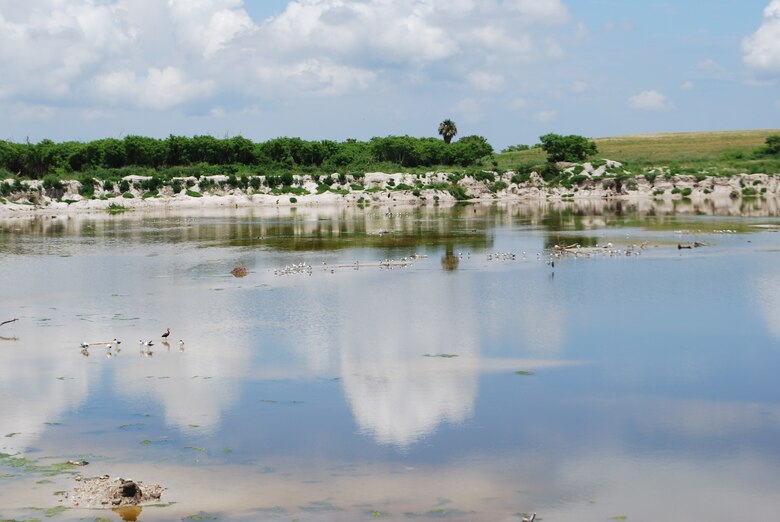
[647, 386]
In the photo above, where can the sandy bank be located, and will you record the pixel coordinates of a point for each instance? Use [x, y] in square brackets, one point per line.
[586, 182]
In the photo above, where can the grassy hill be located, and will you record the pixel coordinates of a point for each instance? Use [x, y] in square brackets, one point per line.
[727, 152]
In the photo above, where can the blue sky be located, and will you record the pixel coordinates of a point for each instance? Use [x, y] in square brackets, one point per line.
[510, 70]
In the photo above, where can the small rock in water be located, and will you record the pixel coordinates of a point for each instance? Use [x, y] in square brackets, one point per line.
[239, 271]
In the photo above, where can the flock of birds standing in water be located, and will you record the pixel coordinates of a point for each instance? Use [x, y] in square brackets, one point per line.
[145, 347]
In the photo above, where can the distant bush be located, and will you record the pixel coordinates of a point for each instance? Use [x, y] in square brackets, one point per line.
[567, 148]
[772, 144]
[516, 148]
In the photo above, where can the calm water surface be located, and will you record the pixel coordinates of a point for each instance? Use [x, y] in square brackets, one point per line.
[648, 385]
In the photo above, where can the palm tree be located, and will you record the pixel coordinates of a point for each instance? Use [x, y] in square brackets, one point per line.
[447, 130]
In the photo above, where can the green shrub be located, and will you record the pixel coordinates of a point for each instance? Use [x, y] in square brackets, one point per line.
[676, 190]
[458, 192]
[749, 192]
[497, 186]
[484, 176]
[521, 177]
[128, 195]
[176, 186]
[205, 184]
[51, 181]
[124, 186]
[152, 184]
[686, 192]
[194, 194]
[87, 187]
[293, 200]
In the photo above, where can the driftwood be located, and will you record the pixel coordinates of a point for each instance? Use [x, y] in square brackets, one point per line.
[8, 321]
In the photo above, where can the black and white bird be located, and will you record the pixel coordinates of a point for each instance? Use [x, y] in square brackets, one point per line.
[166, 333]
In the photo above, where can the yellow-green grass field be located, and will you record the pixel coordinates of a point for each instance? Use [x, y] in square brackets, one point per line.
[728, 152]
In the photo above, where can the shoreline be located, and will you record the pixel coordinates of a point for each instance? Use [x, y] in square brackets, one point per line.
[382, 190]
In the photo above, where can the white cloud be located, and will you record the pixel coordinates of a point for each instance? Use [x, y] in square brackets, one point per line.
[485, 81]
[548, 11]
[315, 77]
[579, 87]
[47, 48]
[158, 89]
[469, 109]
[25, 111]
[649, 101]
[519, 104]
[209, 25]
[546, 116]
[761, 50]
[710, 66]
[103, 54]
[687, 86]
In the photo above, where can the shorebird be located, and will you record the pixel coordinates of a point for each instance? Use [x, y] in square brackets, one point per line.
[84, 344]
[146, 343]
[530, 519]
[166, 333]
[117, 341]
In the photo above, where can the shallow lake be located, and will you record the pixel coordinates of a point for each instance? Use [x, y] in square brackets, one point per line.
[478, 381]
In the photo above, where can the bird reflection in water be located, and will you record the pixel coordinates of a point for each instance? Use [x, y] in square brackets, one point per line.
[128, 513]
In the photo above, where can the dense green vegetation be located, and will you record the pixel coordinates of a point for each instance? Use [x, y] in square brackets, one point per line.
[204, 155]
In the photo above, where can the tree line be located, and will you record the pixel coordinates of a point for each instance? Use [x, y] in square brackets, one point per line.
[36, 160]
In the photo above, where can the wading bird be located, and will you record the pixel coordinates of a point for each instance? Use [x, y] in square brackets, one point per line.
[166, 333]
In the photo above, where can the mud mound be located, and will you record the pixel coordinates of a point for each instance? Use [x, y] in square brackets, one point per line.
[107, 492]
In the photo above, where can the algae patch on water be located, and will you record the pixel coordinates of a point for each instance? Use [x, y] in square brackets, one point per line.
[25, 465]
